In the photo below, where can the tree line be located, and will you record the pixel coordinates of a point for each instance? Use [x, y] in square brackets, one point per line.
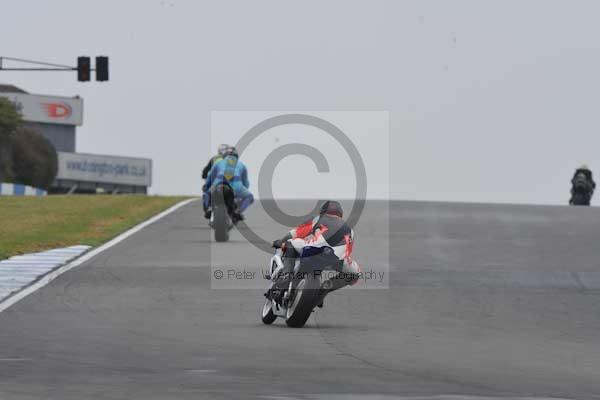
[26, 157]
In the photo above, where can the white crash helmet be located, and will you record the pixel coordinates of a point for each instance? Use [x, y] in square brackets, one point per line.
[222, 150]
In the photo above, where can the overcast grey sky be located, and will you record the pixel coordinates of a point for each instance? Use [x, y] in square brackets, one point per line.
[478, 92]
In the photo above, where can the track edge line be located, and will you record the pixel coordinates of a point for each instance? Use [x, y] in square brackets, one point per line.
[52, 275]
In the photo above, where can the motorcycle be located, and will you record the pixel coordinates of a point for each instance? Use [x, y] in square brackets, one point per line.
[580, 199]
[581, 193]
[304, 292]
[223, 207]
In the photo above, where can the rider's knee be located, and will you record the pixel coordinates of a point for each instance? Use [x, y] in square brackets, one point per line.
[352, 278]
[351, 272]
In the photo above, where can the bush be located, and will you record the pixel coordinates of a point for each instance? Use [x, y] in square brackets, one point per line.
[34, 159]
[26, 157]
[10, 120]
[6, 174]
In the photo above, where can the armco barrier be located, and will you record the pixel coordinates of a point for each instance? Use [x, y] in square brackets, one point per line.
[15, 189]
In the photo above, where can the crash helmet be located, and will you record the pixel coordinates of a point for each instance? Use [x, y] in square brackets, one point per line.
[222, 149]
[332, 207]
[231, 151]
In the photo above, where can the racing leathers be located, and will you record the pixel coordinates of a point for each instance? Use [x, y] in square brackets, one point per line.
[210, 164]
[214, 160]
[233, 172]
[582, 185]
[324, 240]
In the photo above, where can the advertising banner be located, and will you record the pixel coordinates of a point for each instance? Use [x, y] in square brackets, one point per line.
[106, 169]
[48, 109]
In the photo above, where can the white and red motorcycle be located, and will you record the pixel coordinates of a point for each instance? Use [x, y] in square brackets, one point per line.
[305, 291]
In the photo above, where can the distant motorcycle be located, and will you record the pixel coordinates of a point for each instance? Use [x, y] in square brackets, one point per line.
[582, 192]
[296, 302]
[581, 199]
[223, 206]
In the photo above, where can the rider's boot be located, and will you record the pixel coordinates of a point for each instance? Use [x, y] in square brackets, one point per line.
[334, 283]
[321, 297]
[207, 213]
[237, 217]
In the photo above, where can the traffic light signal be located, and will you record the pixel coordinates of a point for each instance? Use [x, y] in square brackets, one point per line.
[101, 68]
[83, 69]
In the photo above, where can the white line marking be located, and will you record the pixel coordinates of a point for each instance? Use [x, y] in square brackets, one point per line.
[46, 279]
[38, 257]
[202, 371]
[41, 261]
[375, 396]
[24, 272]
[15, 279]
[26, 269]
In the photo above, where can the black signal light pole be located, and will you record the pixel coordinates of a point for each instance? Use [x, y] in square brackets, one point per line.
[83, 67]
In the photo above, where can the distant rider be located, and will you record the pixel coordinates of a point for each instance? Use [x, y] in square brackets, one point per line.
[324, 240]
[213, 160]
[220, 154]
[232, 171]
[582, 184]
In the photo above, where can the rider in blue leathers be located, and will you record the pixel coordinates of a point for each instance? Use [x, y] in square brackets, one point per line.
[233, 172]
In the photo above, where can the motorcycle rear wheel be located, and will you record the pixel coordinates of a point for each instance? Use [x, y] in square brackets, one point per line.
[303, 303]
[220, 223]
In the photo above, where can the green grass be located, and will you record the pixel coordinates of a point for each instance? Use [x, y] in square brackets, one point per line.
[29, 224]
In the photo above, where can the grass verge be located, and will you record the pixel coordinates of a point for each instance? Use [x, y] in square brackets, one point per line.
[29, 224]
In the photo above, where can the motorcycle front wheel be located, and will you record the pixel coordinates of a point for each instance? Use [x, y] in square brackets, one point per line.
[268, 317]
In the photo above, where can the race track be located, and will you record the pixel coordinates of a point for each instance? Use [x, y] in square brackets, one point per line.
[485, 301]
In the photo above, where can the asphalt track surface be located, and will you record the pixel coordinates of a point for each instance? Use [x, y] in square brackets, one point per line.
[485, 301]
